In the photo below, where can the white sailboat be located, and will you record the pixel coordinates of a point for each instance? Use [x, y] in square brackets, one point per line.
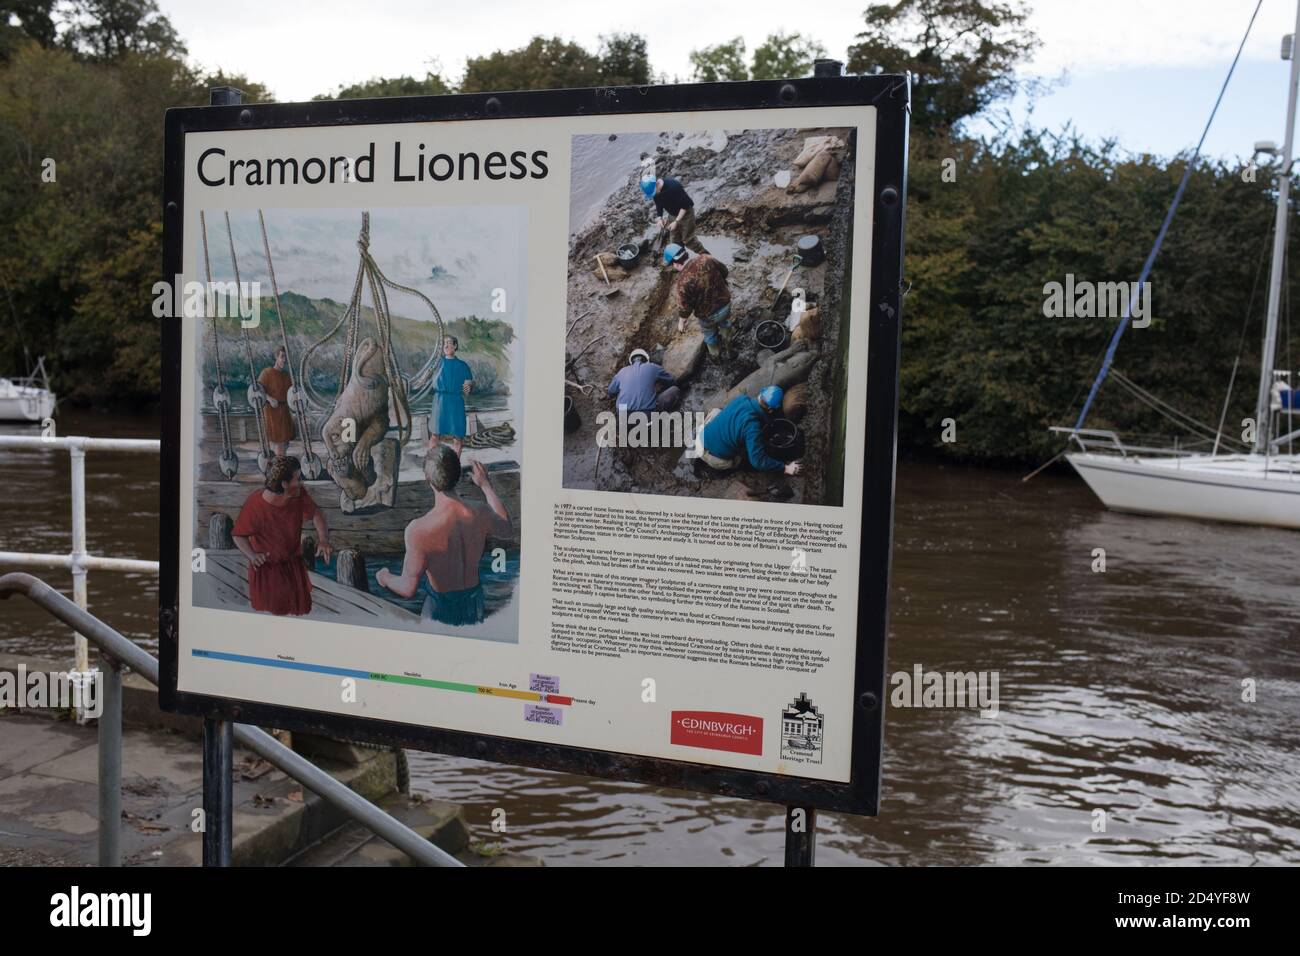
[1259, 487]
[28, 399]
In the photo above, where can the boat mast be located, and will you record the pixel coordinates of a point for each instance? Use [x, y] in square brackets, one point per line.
[1262, 411]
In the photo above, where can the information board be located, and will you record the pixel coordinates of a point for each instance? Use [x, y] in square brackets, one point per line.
[554, 428]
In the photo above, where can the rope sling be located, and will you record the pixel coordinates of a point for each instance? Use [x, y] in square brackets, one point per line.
[402, 390]
[256, 396]
[228, 462]
[311, 465]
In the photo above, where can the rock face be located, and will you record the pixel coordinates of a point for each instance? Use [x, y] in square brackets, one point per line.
[682, 357]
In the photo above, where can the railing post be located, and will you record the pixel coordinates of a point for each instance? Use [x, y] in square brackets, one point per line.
[218, 791]
[79, 594]
[110, 762]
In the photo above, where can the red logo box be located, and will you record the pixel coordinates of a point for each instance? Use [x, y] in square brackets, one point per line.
[734, 733]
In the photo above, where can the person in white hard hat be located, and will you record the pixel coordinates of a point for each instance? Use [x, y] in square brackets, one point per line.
[636, 386]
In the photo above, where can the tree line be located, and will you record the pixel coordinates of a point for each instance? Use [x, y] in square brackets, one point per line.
[991, 219]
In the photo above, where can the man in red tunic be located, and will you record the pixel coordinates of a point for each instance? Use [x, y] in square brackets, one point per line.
[276, 417]
[269, 532]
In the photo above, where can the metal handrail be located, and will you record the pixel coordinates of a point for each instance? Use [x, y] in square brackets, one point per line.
[118, 650]
[1111, 440]
[79, 561]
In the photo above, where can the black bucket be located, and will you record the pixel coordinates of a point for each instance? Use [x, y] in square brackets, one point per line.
[783, 439]
[628, 254]
[770, 334]
[811, 251]
[571, 420]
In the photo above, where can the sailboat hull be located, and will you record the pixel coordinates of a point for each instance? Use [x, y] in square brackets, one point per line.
[1242, 489]
[31, 405]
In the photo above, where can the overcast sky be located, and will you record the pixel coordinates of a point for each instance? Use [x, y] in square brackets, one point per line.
[1144, 71]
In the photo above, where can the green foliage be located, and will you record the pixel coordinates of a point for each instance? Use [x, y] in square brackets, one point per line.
[544, 64]
[780, 56]
[432, 85]
[624, 60]
[976, 345]
[721, 61]
[785, 55]
[962, 53]
[24, 20]
[81, 252]
[112, 29]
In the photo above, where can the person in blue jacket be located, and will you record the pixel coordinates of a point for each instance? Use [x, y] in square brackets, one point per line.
[734, 437]
[455, 379]
[636, 386]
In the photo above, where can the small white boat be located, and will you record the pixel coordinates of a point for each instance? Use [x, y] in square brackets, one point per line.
[1244, 488]
[27, 399]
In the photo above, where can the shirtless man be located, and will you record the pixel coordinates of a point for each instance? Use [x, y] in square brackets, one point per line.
[443, 546]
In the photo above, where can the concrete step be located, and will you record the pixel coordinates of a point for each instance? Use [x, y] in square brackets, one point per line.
[282, 818]
[438, 821]
[49, 770]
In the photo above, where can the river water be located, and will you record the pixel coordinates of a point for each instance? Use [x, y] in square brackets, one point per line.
[1119, 691]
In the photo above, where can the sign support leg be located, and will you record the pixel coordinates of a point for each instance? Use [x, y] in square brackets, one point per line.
[218, 790]
[800, 836]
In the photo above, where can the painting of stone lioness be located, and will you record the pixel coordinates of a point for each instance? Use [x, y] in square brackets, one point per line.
[360, 414]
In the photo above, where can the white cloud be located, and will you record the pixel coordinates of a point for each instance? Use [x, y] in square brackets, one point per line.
[1132, 34]
[301, 51]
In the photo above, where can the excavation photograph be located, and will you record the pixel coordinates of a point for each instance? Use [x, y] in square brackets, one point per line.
[708, 313]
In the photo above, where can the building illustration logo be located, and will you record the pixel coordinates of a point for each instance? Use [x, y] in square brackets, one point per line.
[801, 731]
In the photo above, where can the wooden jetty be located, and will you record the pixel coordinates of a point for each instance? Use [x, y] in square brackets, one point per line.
[225, 584]
[376, 531]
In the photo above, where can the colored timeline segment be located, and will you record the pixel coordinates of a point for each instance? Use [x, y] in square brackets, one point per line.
[528, 695]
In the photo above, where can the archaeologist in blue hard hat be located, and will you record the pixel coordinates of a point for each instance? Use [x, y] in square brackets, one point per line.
[674, 207]
[636, 386]
[702, 291]
[733, 436]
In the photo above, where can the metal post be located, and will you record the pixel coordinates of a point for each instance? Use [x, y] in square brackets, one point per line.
[110, 762]
[79, 596]
[218, 791]
[1282, 222]
[828, 68]
[77, 457]
[225, 96]
[800, 836]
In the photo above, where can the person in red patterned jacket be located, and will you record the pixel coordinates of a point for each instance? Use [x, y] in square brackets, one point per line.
[702, 291]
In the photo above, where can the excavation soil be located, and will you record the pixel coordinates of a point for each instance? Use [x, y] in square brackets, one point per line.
[752, 225]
